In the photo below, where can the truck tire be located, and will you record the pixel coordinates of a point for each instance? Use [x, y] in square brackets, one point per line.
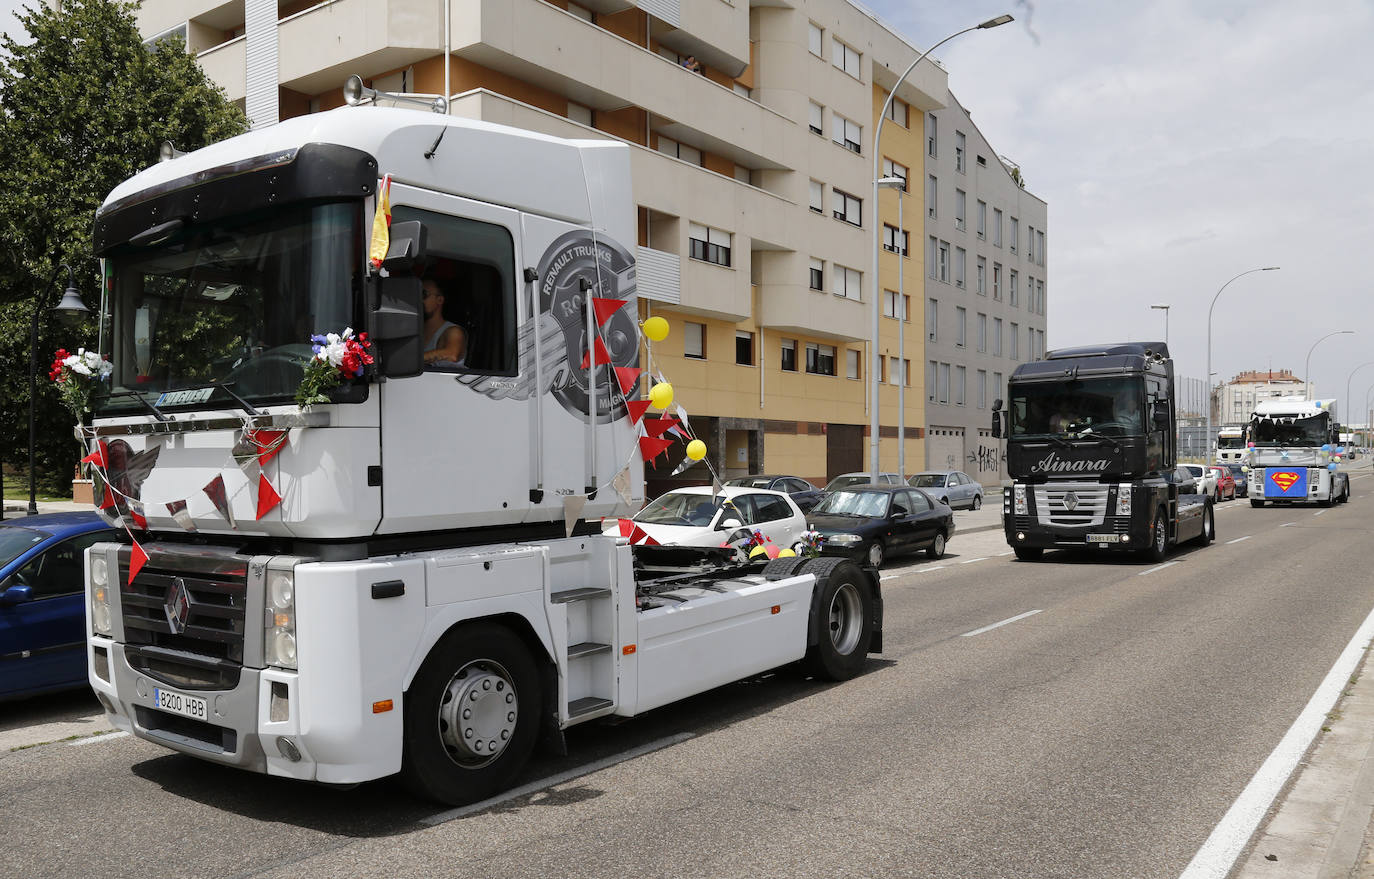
[471, 715]
[1256, 502]
[1209, 526]
[843, 619]
[1029, 553]
[1345, 494]
[781, 569]
[1159, 537]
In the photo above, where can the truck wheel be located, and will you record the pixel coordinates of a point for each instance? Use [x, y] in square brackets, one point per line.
[936, 550]
[1028, 553]
[1345, 494]
[1209, 527]
[1159, 538]
[844, 619]
[471, 715]
[781, 569]
[1324, 502]
[1256, 502]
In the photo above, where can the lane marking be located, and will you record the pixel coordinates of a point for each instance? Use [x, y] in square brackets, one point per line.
[1008, 552]
[1020, 616]
[936, 568]
[1157, 568]
[1219, 853]
[971, 561]
[104, 737]
[1288, 524]
[554, 780]
[887, 577]
[1239, 539]
[1319, 512]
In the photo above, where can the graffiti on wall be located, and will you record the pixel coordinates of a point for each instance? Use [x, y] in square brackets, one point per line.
[986, 459]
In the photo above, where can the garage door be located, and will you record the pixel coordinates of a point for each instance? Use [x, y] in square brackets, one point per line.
[945, 448]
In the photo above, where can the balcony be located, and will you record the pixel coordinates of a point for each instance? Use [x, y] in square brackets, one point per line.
[226, 65]
[320, 47]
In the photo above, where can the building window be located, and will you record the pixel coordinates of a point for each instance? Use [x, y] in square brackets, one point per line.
[996, 337]
[816, 118]
[818, 196]
[848, 282]
[960, 265]
[844, 206]
[996, 227]
[816, 42]
[891, 307]
[1015, 341]
[853, 364]
[982, 333]
[932, 319]
[932, 196]
[817, 274]
[959, 151]
[894, 240]
[694, 340]
[1039, 247]
[789, 355]
[960, 209]
[708, 244]
[944, 383]
[944, 261]
[846, 132]
[997, 281]
[892, 169]
[820, 359]
[1012, 296]
[670, 147]
[932, 129]
[960, 378]
[982, 219]
[744, 348]
[897, 112]
[982, 276]
[743, 90]
[581, 12]
[1030, 243]
[982, 389]
[932, 373]
[579, 113]
[960, 326]
[1040, 295]
[1013, 233]
[997, 385]
[846, 58]
[932, 251]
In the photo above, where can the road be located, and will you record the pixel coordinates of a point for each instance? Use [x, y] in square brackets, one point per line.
[1101, 730]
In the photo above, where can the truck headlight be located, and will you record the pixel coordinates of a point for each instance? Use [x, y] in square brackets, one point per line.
[279, 636]
[1123, 499]
[843, 539]
[1019, 500]
[100, 596]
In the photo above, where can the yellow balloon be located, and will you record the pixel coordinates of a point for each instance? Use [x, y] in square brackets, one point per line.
[661, 395]
[787, 554]
[757, 551]
[656, 328]
[696, 450]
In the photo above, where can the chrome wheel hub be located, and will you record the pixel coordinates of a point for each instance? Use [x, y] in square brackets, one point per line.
[846, 618]
[478, 713]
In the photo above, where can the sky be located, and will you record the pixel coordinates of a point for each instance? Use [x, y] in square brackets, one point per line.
[1178, 144]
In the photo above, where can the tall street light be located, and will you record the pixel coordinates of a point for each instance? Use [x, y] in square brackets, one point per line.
[1207, 437]
[1351, 413]
[899, 311]
[1165, 309]
[70, 308]
[1307, 366]
[877, 236]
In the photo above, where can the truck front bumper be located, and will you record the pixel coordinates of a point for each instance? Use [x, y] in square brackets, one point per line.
[1113, 534]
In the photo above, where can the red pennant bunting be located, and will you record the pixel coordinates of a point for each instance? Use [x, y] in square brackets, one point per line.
[659, 426]
[107, 499]
[627, 527]
[650, 448]
[267, 496]
[637, 408]
[606, 307]
[641, 537]
[602, 355]
[270, 442]
[139, 519]
[214, 490]
[137, 559]
[627, 376]
[98, 457]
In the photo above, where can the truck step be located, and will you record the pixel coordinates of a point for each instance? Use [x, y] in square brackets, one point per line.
[587, 705]
[585, 593]
[587, 648]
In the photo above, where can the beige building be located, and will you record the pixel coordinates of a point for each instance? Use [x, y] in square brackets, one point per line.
[1237, 398]
[752, 175]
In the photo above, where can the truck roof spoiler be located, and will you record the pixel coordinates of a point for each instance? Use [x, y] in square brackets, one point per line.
[1154, 350]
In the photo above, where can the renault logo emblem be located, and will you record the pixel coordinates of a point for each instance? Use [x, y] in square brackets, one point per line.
[1071, 502]
[177, 605]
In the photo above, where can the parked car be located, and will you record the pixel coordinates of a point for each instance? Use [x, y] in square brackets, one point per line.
[802, 492]
[1242, 480]
[42, 601]
[871, 522]
[1226, 483]
[954, 488]
[1207, 480]
[696, 517]
[865, 478]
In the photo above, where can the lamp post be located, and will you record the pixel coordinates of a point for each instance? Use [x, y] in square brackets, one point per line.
[877, 223]
[1207, 437]
[899, 311]
[1165, 309]
[70, 306]
[1351, 413]
[1307, 366]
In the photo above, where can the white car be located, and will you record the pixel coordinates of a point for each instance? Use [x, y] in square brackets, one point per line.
[1207, 480]
[695, 517]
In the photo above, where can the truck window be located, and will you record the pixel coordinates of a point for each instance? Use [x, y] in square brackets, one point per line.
[474, 265]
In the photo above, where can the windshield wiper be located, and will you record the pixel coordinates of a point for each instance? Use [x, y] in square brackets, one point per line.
[243, 404]
[1099, 438]
[138, 395]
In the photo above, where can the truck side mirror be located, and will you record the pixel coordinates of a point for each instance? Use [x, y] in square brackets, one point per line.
[997, 418]
[1159, 415]
[408, 245]
[395, 325]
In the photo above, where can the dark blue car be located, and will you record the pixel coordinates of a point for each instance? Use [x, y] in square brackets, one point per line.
[42, 602]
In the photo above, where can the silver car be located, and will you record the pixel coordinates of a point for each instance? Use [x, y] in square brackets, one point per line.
[954, 488]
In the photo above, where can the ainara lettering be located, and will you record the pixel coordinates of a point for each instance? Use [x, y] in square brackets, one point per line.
[1052, 463]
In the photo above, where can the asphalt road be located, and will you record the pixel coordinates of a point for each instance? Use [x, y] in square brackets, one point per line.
[1101, 731]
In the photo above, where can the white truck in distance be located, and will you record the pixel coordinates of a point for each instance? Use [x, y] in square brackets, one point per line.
[431, 594]
[1294, 453]
[1231, 446]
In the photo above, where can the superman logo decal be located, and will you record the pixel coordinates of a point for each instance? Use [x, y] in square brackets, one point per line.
[1284, 479]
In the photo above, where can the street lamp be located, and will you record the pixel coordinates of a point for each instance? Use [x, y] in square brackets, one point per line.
[1351, 413]
[1307, 366]
[70, 308]
[899, 311]
[877, 238]
[1207, 437]
[1165, 309]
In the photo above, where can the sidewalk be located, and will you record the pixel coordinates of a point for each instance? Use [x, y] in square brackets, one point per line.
[986, 519]
[16, 509]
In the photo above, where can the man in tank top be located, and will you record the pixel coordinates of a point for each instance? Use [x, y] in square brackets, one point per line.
[445, 341]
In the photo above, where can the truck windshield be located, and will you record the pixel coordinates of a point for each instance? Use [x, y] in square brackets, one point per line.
[1230, 441]
[233, 302]
[1107, 406]
[1312, 431]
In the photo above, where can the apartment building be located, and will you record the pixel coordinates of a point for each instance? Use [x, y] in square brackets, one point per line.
[985, 289]
[1236, 399]
[751, 128]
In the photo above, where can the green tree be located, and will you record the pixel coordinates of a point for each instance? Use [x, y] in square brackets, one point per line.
[83, 106]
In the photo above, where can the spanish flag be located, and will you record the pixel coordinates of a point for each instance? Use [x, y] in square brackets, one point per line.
[381, 224]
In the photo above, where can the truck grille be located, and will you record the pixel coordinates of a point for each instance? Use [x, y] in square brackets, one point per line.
[208, 653]
[1071, 504]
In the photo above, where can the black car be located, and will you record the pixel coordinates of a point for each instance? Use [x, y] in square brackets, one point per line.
[871, 522]
[1242, 480]
[804, 494]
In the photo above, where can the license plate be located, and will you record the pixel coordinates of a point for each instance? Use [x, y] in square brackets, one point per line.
[1104, 538]
[179, 703]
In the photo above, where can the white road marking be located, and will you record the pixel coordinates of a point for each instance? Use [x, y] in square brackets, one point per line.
[887, 577]
[100, 738]
[1239, 539]
[1158, 568]
[558, 779]
[1319, 512]
[936, 568]
[1218, 854]
[1288, 524]
[1008, 552]
[981, 558]
[1021, 616]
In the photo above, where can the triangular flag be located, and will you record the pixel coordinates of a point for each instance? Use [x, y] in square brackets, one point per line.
[641, 537]
[269, 443]
[621, 483]
[686, 462]
[97, 457]
[573, 505]
[137, 559]
[107, 498]
[136, 513]
[606, 307]
[627, 376]
[658, 426]
[178, 511]
[267, 496]
[214, 490]
[637, 408]
[627, 527]
[381, 225]
[602, 355]
[650, 448]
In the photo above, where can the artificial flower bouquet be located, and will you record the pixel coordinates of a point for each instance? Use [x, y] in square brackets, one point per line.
[338, 357]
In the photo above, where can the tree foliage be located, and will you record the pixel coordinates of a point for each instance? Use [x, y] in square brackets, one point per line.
[83, 106]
